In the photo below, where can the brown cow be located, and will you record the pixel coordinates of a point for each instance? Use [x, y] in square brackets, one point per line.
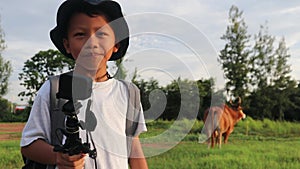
[220, 121]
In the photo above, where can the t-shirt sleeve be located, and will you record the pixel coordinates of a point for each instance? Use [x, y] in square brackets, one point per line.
[38, 125]
[141, 127]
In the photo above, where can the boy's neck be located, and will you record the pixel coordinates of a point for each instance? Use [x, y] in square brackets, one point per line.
[97, 76]
[102, 78]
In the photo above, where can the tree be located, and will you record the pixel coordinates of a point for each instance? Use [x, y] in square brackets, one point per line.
[177, 100]
[293, 112]
[208, 96]
[121, 71]
[234, 58]
[282, 81]
[37, 69]
[262, 60]
[270, 78]
[183, 100]
[281, 74]
[5, 67]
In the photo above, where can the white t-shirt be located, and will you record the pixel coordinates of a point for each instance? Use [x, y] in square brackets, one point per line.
[109, 105]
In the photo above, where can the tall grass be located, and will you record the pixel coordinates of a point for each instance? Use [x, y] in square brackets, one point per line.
[267, 127]
[247, 127]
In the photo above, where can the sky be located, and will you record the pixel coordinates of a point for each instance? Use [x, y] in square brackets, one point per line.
[169, 38]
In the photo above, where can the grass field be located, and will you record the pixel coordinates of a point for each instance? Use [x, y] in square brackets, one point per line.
[243, 154]
[10, 157]
[253, 145]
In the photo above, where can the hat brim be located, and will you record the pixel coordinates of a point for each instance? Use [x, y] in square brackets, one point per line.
[112, 9]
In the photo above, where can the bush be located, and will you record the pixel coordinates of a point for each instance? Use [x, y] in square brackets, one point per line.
[6, 112]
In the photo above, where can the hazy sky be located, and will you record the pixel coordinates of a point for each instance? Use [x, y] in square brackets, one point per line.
[169, 38]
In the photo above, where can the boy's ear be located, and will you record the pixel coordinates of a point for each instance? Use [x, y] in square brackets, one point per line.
[116, 47]
[66, 45]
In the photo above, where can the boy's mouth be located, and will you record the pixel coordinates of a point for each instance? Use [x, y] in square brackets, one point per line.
[92, 54]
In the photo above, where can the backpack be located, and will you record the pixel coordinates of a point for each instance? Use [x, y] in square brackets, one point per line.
[58, 118]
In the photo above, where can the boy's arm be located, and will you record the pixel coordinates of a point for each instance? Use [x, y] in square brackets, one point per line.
[40, 151]
[137, 159]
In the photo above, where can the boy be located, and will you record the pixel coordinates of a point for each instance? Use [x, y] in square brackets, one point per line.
[92, 32]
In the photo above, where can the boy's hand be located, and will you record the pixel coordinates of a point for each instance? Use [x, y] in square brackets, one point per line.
[64, 161]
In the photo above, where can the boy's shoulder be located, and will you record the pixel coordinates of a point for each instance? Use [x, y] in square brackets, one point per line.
[129, 85]
[125, 82]
[44, 91]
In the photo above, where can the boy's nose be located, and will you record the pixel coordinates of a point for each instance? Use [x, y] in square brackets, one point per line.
[92, 42]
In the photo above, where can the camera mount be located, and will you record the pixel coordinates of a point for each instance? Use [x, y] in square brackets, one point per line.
[73, 87]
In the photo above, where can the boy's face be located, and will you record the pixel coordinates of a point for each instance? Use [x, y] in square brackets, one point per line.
[91, 41]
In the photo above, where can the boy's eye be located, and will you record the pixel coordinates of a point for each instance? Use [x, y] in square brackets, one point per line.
[100, 34]
[79, 34]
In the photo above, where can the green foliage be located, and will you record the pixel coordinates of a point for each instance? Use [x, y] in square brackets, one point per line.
[262, 60]
[5, 67]
[248, 128]
[264, 70]
[293, 113]
[282, 79]
[145, 89]
[10, 117]
[268, 128]
[7, 115]
[121, 72]
[38, 68]
[174, 100]
[234, 58]
[5, 72]
[5, 105]
[271, 79]
[184, 98]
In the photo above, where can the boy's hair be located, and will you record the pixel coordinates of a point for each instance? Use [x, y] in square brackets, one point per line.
[110, 10]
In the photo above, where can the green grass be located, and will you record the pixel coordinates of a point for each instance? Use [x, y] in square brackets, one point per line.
[12, 135]
[10, 157]
[240, 154]
[253, 144]
[192, 155]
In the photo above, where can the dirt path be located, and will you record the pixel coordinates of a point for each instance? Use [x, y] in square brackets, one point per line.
[11, 131]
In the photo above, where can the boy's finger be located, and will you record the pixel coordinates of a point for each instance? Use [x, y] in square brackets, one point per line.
[67, 157]
[71, 161]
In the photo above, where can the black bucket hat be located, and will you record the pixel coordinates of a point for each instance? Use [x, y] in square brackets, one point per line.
[110, 9]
